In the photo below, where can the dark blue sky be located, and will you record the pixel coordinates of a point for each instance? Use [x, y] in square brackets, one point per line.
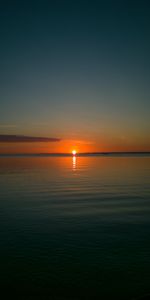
[77, 70]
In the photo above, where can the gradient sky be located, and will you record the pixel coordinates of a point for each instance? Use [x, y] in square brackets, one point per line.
[78, 71]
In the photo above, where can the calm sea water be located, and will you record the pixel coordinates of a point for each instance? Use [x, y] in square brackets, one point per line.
[75, 227]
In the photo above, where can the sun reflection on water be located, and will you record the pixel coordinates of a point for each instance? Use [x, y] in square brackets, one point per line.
[74, 162]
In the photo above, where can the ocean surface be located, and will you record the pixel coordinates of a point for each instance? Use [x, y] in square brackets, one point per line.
[75, 227]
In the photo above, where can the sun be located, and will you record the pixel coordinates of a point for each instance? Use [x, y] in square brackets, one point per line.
[74, 152]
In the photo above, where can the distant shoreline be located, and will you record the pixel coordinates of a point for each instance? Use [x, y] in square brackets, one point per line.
[77, 155]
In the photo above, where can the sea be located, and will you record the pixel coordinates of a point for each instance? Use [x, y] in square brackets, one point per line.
[75, 227]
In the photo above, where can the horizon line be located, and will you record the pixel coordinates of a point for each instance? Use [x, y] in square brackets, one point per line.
[77, 154]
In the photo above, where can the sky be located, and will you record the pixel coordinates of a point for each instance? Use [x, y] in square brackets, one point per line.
[76, 74]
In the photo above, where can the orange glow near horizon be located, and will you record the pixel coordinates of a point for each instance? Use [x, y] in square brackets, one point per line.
[80, 146]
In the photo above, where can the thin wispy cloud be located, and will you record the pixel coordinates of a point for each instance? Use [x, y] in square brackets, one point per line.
[8, 126]
[82, 142]
[7, 138]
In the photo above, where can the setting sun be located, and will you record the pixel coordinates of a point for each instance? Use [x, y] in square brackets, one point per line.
[74, 152]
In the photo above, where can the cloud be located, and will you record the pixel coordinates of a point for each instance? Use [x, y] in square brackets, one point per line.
[82, 142]
[7, 138]
[8, 126]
